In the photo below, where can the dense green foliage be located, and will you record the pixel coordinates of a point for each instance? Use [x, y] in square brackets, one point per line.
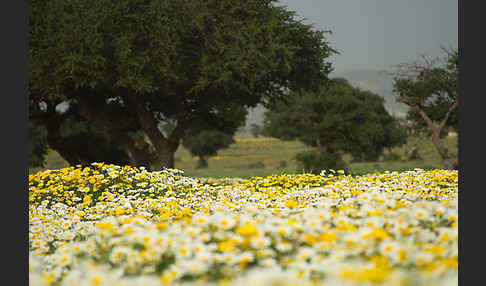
[125, 67]
[337, 119]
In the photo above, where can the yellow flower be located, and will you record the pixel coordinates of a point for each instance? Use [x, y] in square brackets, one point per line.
[106, 226]
[377, 233]
[247, 229]
[329, 237]
[226, 246]
[291, 203]
[48, 277]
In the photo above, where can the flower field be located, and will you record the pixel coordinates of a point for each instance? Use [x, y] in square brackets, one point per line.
[113, 225]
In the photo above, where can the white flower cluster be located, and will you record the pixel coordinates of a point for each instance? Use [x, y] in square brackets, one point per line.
[133, 227]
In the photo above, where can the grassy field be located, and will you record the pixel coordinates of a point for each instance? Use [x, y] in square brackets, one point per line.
[263, 156]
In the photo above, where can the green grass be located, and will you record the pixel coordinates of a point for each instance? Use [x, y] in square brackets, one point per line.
[241, 159]
[53, 161]
[266, 156]
[247, 157]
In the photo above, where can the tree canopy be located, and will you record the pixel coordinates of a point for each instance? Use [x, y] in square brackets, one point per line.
[127, 66]
[335, 120]
[430, 88]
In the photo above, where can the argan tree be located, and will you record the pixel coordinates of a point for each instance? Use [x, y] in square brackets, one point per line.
[255, 130]
[336, 119]
[203, 140]
[430, 89]
[126, 67]
[206, 143]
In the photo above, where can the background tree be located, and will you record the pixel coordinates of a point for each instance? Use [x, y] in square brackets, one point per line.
[206, 143]
[337, 119]
[255, 130]
[204, 140]
[127, 67]
[430, 88]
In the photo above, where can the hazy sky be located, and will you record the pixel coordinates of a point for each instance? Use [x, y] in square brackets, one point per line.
[377, 34]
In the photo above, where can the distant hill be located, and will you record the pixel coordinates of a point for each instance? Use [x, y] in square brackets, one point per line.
[376, 81]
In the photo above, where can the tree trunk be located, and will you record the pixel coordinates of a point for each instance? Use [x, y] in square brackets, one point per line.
[439, 146]
[52, 121]
[319, 147]
[165, 147]
[202, 163]
[117, 131]
[138, 156]
[165, 156]
[55, 141]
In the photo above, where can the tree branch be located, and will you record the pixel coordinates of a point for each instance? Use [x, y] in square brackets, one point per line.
[444, 121]
[405, 99]
[177, 134]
